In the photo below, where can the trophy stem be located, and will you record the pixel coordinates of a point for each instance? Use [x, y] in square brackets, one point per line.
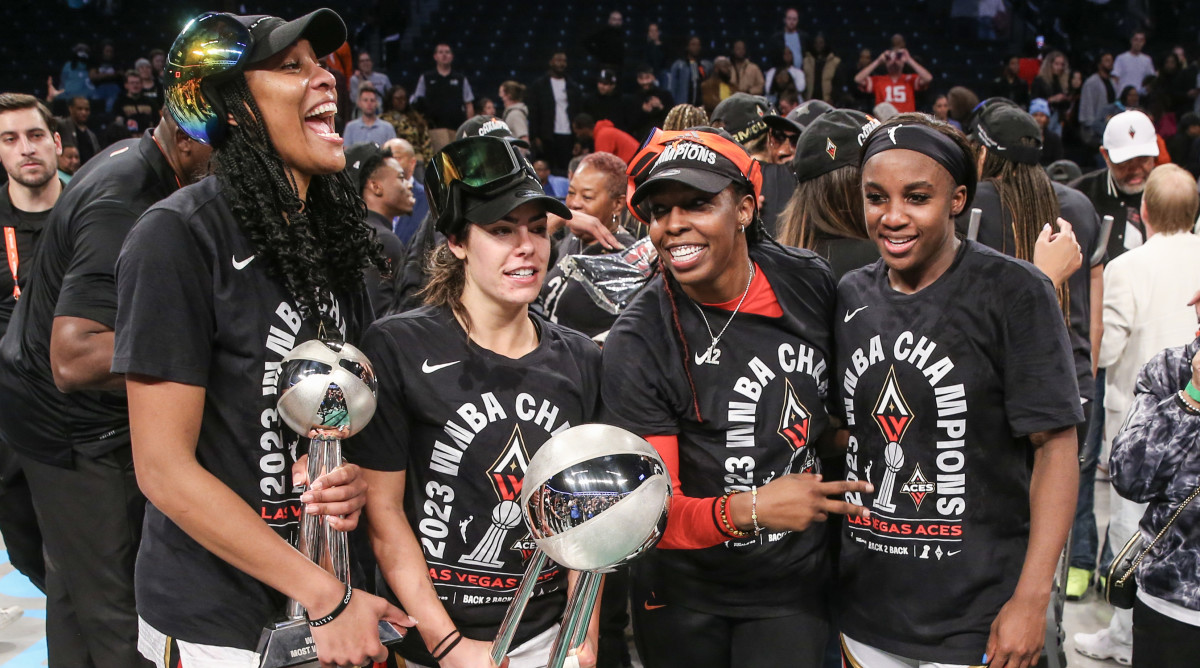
[579, 614]
[512, 617]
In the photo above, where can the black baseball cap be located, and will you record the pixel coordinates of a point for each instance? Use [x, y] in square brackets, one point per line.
[742, 115]
[487, 126]
[803, 115]
[323, 28]
[973, 120]
[487, 211]
[361, 160]
[607, 76]
[693, 163]
[832, 141]
[1007, 131]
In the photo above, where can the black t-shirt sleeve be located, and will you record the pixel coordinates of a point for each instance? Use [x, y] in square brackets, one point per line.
[588, 356]
[163, 269]
[1040, 390]
[636, 387]
[383, 444]
[88, 287]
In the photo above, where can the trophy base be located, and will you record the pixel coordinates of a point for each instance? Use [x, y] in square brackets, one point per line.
[289, 643]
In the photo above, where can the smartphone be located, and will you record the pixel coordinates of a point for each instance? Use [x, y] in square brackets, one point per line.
[1041, 41]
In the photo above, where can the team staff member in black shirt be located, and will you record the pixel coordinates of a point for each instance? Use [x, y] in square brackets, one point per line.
[267, 253]
[955, 376]
[29, 146]
[736, 412]
[64, 412]
[471, 385]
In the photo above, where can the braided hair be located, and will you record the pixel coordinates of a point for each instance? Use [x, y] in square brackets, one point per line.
[311, 247]
[756, 233]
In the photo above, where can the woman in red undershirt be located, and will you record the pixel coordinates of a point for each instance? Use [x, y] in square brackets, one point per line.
[723, 364]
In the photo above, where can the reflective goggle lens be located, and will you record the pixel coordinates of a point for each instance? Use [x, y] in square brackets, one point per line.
[207, 48]
[478, 164]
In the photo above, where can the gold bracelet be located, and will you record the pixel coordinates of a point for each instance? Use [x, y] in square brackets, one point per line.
[754, 509]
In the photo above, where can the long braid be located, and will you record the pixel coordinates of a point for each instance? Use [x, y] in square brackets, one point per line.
[687, 369]
[1027, 194]
[312, 247]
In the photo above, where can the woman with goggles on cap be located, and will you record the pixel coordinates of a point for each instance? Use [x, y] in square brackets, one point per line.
[956, 382]
[470, 386]
[216, 283]
[722, 363]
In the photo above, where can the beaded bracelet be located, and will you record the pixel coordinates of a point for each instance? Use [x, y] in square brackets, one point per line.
[754, 509]
[729, 528]
[336, 611]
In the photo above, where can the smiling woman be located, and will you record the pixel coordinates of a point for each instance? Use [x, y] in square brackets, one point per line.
[959, 391]
[722, 364]
[216, 284]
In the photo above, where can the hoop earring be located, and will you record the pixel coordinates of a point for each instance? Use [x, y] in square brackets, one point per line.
[742, 229]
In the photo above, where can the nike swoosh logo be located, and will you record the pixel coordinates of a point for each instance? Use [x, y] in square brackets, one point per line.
[653, 607]
[430, 368]
[851, 314]
[241, 264]
[701, 358]
[951, 554]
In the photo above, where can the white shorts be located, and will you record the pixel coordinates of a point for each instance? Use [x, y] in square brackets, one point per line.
[153, 645]
[533, 653]
[859, 655]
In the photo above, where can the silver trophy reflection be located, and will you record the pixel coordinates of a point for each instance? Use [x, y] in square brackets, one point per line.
[594, 497]
[326, 393]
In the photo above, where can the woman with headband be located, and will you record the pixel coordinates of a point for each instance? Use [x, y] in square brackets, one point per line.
[216, 284]
[722, 362]
[470, 387]
[955, 377]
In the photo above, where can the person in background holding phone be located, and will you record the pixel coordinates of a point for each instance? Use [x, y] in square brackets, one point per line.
[895, 87]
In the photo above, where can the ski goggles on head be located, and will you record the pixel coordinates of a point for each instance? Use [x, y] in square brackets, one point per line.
[700, 159]
[211, 48]
[467, 175]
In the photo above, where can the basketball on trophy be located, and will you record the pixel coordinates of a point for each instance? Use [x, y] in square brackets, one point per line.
[326, 386]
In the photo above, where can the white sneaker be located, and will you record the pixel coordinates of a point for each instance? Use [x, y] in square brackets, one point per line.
[10, 614]
[1100, 645]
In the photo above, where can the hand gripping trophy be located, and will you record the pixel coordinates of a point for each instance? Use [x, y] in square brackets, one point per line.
[326, 393]
[622, 491]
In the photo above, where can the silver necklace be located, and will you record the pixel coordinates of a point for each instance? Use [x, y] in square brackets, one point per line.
[708, 358]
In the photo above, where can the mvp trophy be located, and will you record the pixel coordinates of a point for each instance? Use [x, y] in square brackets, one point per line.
[594, 497]
[326, 393]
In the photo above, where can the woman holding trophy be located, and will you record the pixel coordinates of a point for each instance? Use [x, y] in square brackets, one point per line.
[723, 363]
[470, 387]
[245, 264]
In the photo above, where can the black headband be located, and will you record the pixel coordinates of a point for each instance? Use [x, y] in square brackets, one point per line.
[922, 139]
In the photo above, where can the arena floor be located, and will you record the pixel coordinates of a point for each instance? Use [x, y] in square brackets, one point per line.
[23, 644]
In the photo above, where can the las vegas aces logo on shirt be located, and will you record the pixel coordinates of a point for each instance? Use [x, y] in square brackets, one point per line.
[506, 473]
[899, 473]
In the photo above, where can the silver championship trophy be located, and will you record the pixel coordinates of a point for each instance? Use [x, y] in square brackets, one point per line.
[326, 393]
[594, 497]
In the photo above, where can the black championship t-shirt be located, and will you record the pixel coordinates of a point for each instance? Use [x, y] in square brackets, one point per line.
[566, 301]
[463, 423]
[995, 231]
[72, 275]
[762, 398]
[940, 390]
[197, 308]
